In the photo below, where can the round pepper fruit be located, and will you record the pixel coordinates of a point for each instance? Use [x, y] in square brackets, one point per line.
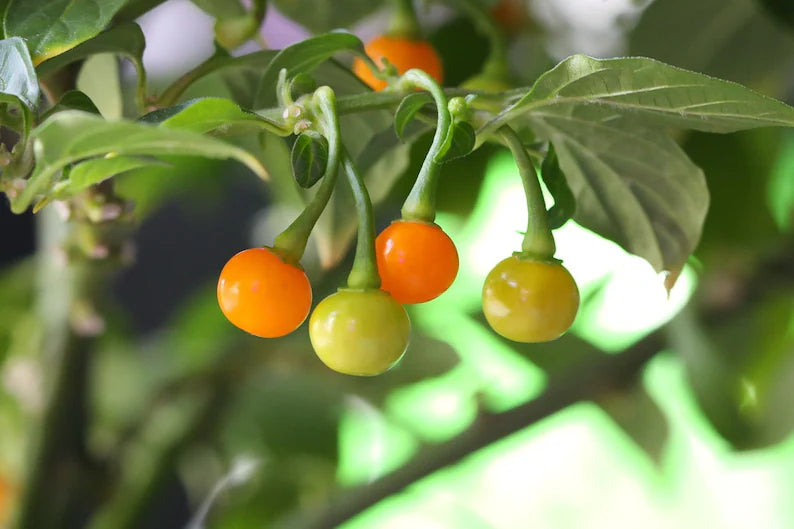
[262, 294]
[359, 332]
[530, 301]
[404, 53]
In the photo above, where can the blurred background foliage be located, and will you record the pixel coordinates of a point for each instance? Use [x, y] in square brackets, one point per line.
[190, 422]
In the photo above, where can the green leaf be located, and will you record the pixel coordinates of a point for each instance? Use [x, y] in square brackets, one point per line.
[463, 141]
[14, 115]
[236, 78]
[309, 158]
[126, 40]
[564, 201]
[72, 100]
[221, 8]
[233, 29]
[19, 93]
[232, 32]
[633, 185]
[19, 97]
[407, 110]
[135, 8]
[209, 115]
[52, 27]
[240, 78]
[301, 84]
[319, 16]
[650, 91]
[99, 79]
[303, 57]
[72, 136]
[17, 75]
[88, 173]
[730, 39]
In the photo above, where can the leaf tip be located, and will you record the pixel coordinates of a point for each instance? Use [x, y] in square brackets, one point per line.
[671, 278]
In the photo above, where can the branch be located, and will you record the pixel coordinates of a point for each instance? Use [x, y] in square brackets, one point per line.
[369, 101]
[58, 448]
[60, 441]
[70, 289]
[585, 382]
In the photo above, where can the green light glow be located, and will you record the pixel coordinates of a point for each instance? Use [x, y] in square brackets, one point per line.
[369, 444]
[577, 469]
[632, 303]
[502, 377]
[709, 484]
[435, 409]
[780, 191]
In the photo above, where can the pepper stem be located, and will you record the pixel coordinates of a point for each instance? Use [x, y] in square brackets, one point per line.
[283, 89]
[421, 201]
[404, 22]
[364, 272]
[538, 241]
[291, 243]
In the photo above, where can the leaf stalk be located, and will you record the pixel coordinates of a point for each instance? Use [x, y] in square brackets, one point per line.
[291, 243]
[364, 273]
[538, 240]
[420, 204]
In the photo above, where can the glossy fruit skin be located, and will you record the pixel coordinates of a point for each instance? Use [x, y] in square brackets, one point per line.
[359, 332]
[263, 295]
[404, 54]
[530, 301]
[417, 261]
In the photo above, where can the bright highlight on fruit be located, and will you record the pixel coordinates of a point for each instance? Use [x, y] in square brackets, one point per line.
[262, 295]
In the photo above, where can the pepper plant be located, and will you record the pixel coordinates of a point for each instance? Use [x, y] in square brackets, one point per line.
[600, 134]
